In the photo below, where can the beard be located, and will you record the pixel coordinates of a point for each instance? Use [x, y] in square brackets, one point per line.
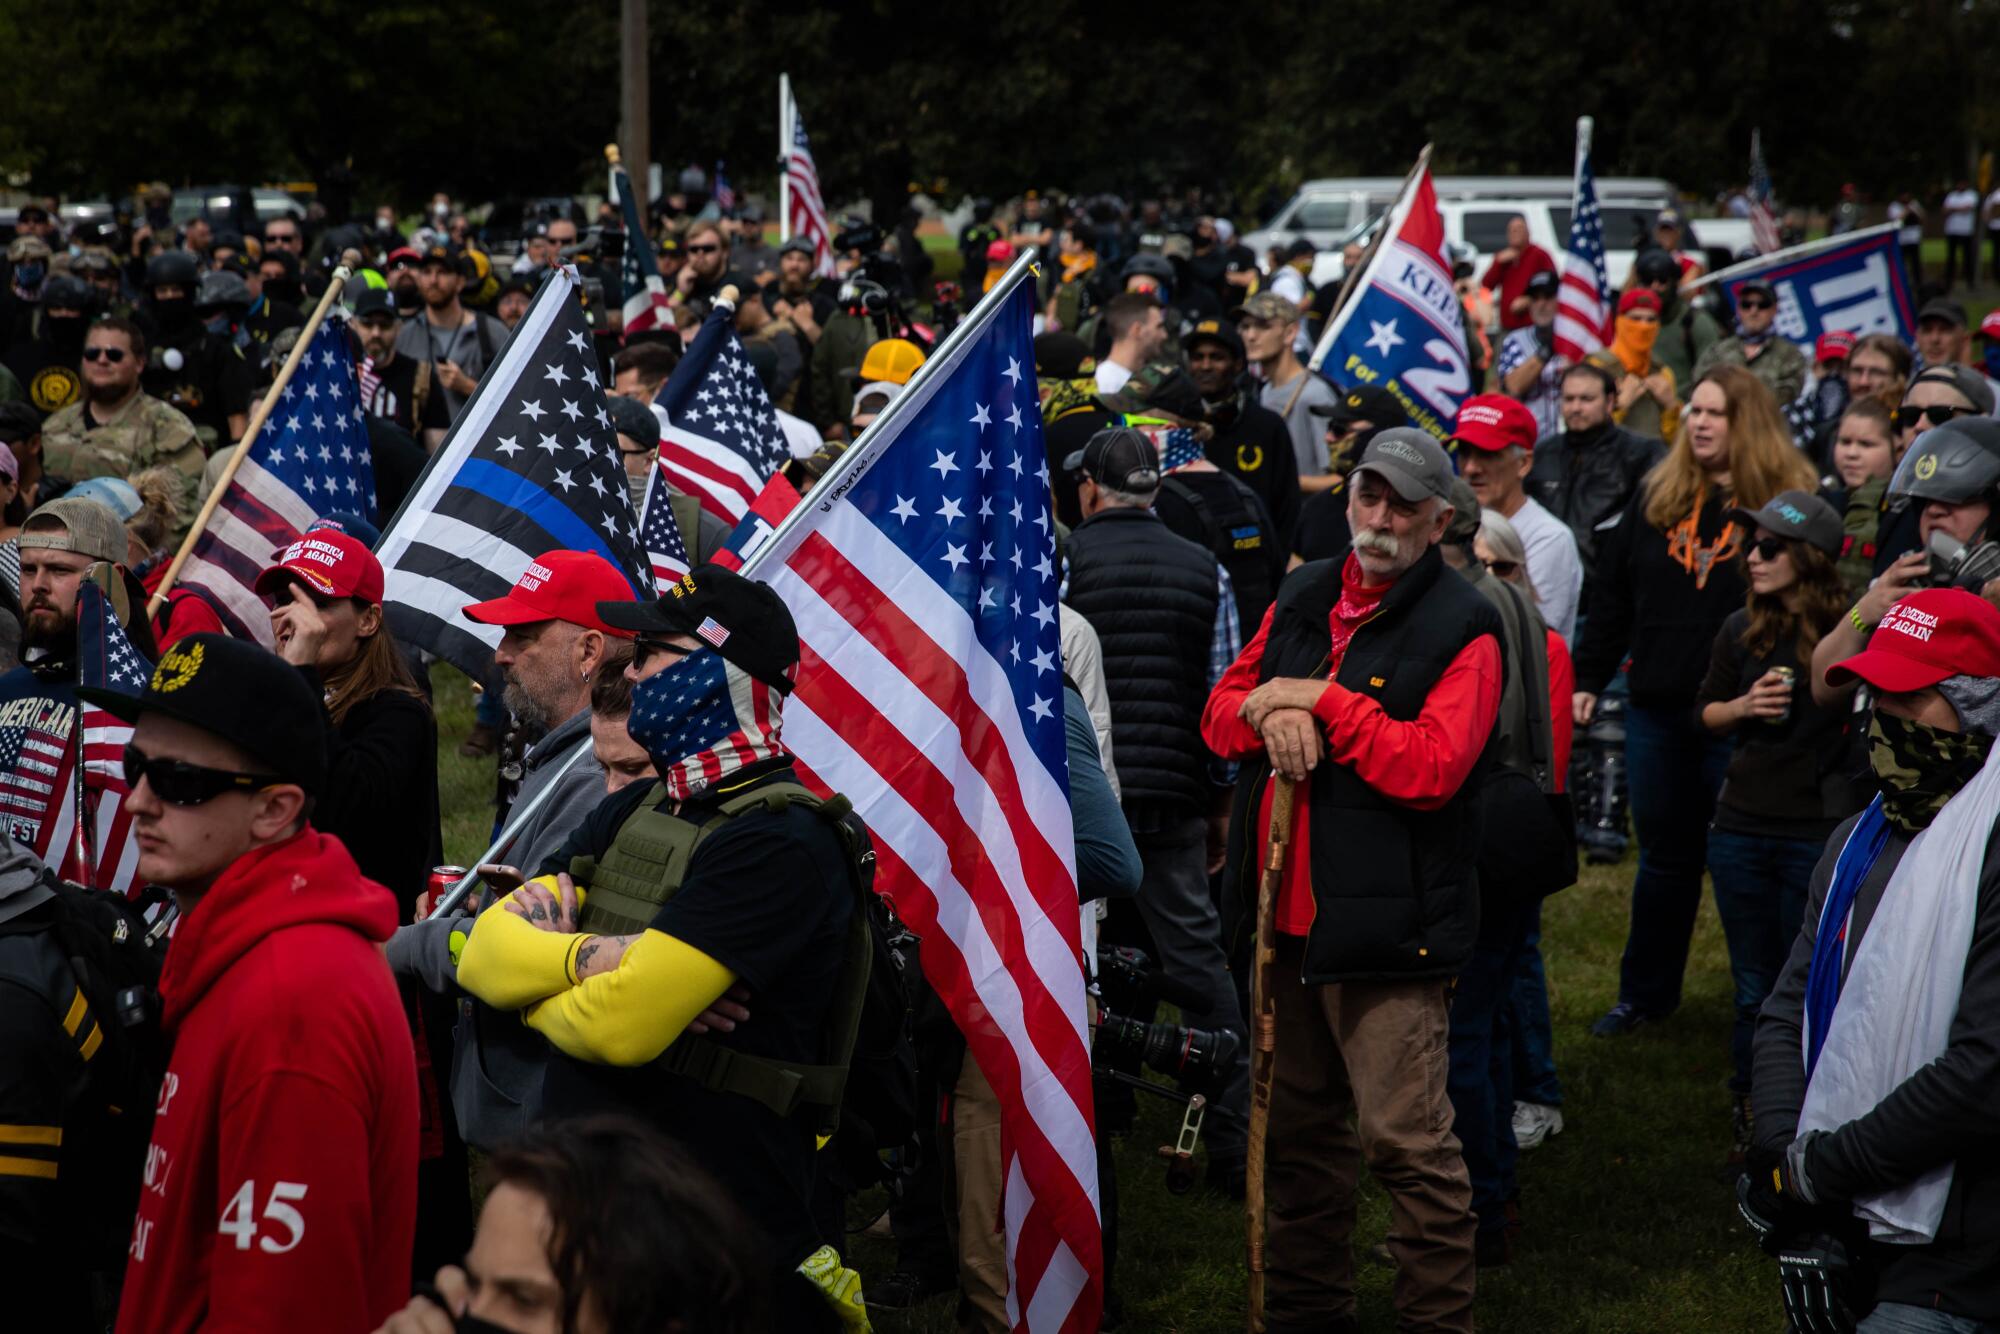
[105, 394]
[45, 627]
[534, 718]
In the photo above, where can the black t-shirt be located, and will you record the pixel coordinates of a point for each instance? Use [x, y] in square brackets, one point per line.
[398, 460]
[1323, 533]
[212, 385]
[767, 896]
[269, 319]
[1253, 442]
[395, 398]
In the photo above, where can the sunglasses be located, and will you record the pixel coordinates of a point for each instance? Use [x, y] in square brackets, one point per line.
[1504, 569]
[179, 783]
[644, 649]
[1754, 303]
[1909, 414]
[702, 249]
[1770, 548]
[114, 355]
[280, 238]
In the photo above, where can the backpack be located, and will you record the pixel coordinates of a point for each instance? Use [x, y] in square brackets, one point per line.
[1236, 539]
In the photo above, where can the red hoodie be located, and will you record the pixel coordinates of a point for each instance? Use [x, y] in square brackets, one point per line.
[280, 1186]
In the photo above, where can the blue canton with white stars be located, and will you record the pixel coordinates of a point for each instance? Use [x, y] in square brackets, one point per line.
[316, 441]
[106, 659]
[714, 393]
[964, 492]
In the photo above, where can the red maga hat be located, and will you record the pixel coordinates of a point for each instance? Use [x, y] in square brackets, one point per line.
[558, 586]
[1931, 634]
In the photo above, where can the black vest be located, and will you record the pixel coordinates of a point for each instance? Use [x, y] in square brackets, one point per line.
[1151, 597]
[1395, 889]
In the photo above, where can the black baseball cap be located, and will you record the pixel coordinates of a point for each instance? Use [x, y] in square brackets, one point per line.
[1364, 403]
[1122, 458]
[798, 245]
[1060, 355]
[1214, 331]
[631, 417]
[1749, 285]
[448, 253]
[1409, 460]
[739, 618]
[375, 301]
[1798, 516]
[1943, 308]
[238, 691]
[1544, 283]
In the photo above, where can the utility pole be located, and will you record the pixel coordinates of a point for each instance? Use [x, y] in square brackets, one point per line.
[635, 101]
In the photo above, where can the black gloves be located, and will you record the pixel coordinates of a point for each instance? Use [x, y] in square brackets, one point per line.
[1816, 1271]
[1819, 1284]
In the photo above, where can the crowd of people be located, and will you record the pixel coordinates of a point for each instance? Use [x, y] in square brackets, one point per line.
[1745, 592]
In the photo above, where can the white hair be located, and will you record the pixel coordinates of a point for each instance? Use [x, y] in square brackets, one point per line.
[1505, 540]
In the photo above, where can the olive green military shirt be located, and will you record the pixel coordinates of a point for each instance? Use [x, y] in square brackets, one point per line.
[142, 434]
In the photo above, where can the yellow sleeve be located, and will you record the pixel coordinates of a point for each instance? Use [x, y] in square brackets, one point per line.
[509, 962]
[630, 1014]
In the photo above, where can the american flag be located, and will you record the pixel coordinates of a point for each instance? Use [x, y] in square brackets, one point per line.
[1763, 223]
[923, 584]
[645, 291]
[1583, 301]
[666, 550]
[725, 194]
[72, 815]
[722, 438]
[311, 459]
[807, 209]
[531, 465]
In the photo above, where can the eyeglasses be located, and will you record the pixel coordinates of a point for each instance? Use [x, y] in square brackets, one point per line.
[643, 649]
[1910, 414]
[114, 355]
[701, 249]
[1754, 303]
[1504, 569]
[179, 783]
[1770, 548]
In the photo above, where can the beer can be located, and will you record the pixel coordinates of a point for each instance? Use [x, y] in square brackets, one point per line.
[438, 884]
[1788, 676]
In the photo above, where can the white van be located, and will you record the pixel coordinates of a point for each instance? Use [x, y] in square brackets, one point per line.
[1476, 210]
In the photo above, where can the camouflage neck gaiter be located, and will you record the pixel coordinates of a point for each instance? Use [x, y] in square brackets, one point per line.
[1919, 768]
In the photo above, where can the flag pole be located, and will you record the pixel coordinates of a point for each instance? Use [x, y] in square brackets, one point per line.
[862, 452]
[516, 819]
[258, 417]
[784, 158]
[1393, 223]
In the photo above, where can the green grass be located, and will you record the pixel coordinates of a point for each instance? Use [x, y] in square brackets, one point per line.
[1631, 1227]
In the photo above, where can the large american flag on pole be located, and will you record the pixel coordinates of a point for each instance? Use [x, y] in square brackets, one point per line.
[922, 579]
[311, 459]
[1763, 223]
[1583, 301]
[721, 440]
[531, 465]
[645, 291]
[808, 210]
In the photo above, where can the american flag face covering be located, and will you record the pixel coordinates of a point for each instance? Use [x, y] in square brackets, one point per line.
[703, 719]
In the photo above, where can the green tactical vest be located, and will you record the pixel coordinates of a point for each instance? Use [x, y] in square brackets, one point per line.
[642, 869]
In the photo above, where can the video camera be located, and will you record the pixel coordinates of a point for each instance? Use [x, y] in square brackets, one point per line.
[874, 286]
[1198, 1059]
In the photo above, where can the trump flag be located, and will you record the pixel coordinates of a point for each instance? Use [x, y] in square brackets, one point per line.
[1403, 328]
[1853, 283]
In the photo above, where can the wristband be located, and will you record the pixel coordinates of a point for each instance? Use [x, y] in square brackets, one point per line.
[1854, 615]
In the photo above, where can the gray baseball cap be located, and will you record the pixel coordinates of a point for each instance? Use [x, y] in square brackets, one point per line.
[1970, 384]
[1410, 460]
[89, 528]
[1798, 516]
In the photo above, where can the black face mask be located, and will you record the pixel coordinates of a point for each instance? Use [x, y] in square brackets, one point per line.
[174, 313]
[285, 289]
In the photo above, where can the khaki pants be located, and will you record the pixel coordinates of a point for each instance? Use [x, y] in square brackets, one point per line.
[1376, 1051]
[982, 1244]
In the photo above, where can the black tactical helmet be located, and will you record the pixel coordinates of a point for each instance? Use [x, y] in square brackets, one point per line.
[173, 268]
[1657, 266]
[1953, 463]
[223, 289]
[1148, 266]
[63, 292]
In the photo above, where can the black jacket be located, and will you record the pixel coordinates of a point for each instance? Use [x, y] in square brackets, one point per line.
[1942, 1113]
[381, 796]
[1395, 888]
[1662, 601]
[1585, 480]
[1151, 597]
[1252, 441]
[1216, 510]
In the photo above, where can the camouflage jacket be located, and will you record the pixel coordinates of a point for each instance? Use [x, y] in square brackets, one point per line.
[1781, 366]
[144, 433]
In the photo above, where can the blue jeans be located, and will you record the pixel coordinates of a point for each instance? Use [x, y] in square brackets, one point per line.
[1899, 1318]
[1530, 1035]
[1675, 768]
[1760, 894]
[1480, 1075]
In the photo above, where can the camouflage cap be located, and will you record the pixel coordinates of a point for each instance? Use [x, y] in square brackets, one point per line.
[27, 250]
[88, 528]
[1270, 308]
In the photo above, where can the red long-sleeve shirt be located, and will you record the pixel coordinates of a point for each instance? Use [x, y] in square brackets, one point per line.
[1512, 282]
[1419, 763]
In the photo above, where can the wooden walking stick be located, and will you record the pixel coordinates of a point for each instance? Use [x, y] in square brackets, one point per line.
[1264, 1037]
